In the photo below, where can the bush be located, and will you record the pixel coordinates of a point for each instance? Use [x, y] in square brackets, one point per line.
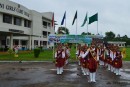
[1, 49]
[40, 48]
[10, 51]
[36, 52]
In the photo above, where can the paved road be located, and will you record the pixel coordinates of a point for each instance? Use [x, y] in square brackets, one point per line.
[44, 75]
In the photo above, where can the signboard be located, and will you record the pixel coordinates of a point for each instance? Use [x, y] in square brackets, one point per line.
[69, 39]
[16, 31]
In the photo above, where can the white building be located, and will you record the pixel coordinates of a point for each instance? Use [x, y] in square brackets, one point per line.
[23, 27]
[117, 43]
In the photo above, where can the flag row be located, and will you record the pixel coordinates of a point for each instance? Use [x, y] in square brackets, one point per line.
[91, 19]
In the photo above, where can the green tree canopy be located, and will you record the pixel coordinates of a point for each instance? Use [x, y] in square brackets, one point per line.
[63, 30]
[88, 33]
[109, 35]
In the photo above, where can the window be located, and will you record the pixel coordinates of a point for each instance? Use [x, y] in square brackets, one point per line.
[27, 23]
[3, 42]
[24, 42]
[48, 43]
[48, 33]
[44, 42]
[35, 42]
[44, 33]
[49, 25]
[8, 42]
[7, 18]
[16, 42]
[17, 21]
[44, 24]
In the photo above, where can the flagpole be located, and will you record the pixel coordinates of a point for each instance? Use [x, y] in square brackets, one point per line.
[97, 27]
[97, 23]
[65, 22]
[87, 23]
[76, 32]
[54, 32]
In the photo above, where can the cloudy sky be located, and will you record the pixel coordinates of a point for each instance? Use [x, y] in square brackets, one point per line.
[113, 15]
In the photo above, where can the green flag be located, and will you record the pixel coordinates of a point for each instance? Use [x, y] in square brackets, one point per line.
[75, 17]
[93, 18]
[84, 20]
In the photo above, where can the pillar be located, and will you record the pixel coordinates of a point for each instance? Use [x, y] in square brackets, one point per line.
[39, 41]
[29, 44]
[32, 42]
[11, 41]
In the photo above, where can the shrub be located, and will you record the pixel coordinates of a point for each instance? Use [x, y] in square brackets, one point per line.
[40, 48]
[36, 52]
[10, 51]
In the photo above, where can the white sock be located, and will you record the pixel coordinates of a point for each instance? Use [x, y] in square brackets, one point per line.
[91, 77]
[58, 70]
[94, 74]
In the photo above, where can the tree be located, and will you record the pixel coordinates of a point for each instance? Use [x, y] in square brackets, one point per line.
[118, 35]
[83, 33]
[109, 35]
[125, 37]
[117, 38]
[63, 30]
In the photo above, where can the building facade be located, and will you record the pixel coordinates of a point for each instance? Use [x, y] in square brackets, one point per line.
[24, 28]
[117, 43]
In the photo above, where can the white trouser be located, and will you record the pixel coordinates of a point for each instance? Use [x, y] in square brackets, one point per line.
[109, 67]
[117, 70]
[59, 70]
[112, 68]
[83, 70]
[86, 71]
[92, 77]
[79, 62]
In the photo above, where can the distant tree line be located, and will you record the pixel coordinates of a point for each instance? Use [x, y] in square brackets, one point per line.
[110, 36]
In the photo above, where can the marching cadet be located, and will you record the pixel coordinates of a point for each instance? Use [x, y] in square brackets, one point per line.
[117, 61]
[111, 59]
[67, 54]
[81, 59]
[84, 60]
[78, 53]
[108, 57]
[59, 55]
[101, 57]
[85, 56]
[92, 65]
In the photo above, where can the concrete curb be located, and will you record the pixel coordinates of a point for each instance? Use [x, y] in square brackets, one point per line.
[40, 61]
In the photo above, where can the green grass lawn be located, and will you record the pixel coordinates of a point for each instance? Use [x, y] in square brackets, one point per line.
[127, 55]
[28, 56]
[44, 55]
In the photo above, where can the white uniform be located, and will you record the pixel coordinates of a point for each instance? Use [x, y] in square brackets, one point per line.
[60, 69]
[85, 70]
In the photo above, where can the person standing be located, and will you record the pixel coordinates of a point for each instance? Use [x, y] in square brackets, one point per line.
[67, 54]
[60, 55]
[16, 51]
[92, 65]
[85, 61]
[78, 53]
[118, 61]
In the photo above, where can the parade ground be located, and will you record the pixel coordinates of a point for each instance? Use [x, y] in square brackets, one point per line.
[43, 74]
